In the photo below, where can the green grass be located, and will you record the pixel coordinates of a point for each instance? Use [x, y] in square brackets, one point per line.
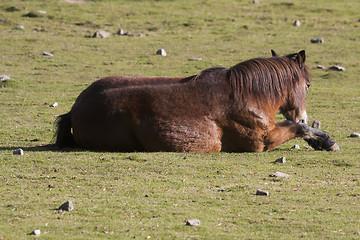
[151, 195]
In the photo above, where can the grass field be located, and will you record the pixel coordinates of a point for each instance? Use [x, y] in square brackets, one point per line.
[151, 195]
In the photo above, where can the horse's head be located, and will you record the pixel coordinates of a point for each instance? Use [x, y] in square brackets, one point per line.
[294, 108]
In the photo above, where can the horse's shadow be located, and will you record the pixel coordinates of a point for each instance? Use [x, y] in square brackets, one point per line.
[42, 148]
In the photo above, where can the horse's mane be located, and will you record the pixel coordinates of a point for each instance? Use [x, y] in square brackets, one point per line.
[268, 79]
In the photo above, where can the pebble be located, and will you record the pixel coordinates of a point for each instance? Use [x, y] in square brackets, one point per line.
[161, 52]
[317, 40]
[255, 1]
[193, 222]
[101, 34]
[296, 147]
[297, 23]
[337, 68]
[66, 206]
[195, 59]
[280, 160]
[121, 32]
[18, 151]
[55, 104]
[21, 27]
[279, 174]
[4, 78]
[316, 124]
[262, 193]
[355, 135]
[48, 54]
[36, 232]
[42, 11]
[320, 67]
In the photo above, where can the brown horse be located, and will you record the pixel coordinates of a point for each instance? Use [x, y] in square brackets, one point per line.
[220, 109]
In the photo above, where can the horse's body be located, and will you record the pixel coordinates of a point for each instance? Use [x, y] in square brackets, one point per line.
[219, 109]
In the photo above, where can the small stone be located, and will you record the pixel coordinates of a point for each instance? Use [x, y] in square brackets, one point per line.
[121, 32]
[280, 160]
[317, 40]
[67, 206]
[262, 193]
[101, 34]
[18, 151]
[193, 222]
[4, 78]
[55, 104]
[36, 232]
[316, 124]
[320, 67]
[297, 23]
[279, 174]
[141, 35]
[355, 135]
[2, 20]
[255, 1]
[296, 147]
[12, 9]
[161, 52]
[31, 15]
[195, 59]
[42, 11]
[337, 68]
[48, 54]
[21, 27]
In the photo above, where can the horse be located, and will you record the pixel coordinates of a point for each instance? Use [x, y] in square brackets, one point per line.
[220, 109]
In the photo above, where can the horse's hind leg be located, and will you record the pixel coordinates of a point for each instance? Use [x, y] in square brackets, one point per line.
[287, 130]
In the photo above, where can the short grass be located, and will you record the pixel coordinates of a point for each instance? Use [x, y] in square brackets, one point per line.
[151, 195]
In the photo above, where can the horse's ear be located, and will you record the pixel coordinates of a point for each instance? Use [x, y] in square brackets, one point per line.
[274, 54]
[302, 55]
[299, 58]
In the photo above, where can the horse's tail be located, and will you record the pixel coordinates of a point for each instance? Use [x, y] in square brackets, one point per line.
[63, 135]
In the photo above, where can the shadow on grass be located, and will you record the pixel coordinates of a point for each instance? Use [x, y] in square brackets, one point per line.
[44, 148]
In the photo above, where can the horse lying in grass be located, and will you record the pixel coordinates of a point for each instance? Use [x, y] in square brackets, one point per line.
[220, 109]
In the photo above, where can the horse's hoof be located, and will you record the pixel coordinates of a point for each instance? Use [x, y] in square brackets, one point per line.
[334, 148]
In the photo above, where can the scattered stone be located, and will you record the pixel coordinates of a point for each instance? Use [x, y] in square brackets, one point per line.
[280, 160]
[279, 174]
[255, 1]
[12, 9]
[337, 68]
[193, 222]
[67, 206]
[195, 59]
[296, 147]
[101, 34]
[18, 151]
[262, 193]
[320, 67]
[31, 15]
[121, 32]
[316, 124]
[2, 20]
[161, 52]
[36, 232]
[317, 40]
[48, 54]
[21, 27]
[55, 104]
[4, 78]
[297, 23]
[355, 135]
[141, 35]
[41, 11]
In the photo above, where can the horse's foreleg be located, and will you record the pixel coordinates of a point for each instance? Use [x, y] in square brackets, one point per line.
[287, 130]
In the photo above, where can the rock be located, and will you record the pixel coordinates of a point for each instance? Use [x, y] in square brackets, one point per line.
[4, 78]
[161, 52]
[280, 160]
[262, 193]
[317, 40]
[255, 1]
[297, 23]
[31, 15]
[12, 9]
[41, 11]
[48, 54]
[18, 151]
[121, 32]
[193, 222]
[67, 206]
[355, 135]
[316, 124]
[195, 59]
[21, 27]
[2, 20]
[337, 68]
[320, 67]
[101, 34]
[55, 104]
[279, 174]
[141, 35]
[36, 232]
[296, 147]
